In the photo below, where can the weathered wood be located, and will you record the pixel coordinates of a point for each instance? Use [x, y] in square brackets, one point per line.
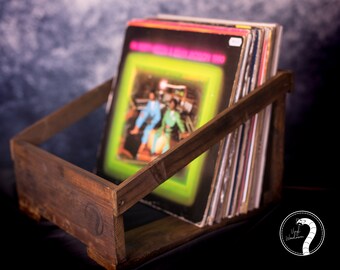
[48, 126]
[155, 238]
[275, 155]
[163, 167]
[77, 201]
[90, 208]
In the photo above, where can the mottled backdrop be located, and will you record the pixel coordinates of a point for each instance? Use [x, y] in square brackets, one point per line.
[54, 51]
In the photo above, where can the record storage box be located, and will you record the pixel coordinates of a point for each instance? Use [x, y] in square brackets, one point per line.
[91, 208]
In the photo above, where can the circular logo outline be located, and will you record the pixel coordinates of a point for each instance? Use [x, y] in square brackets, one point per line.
[323, 233]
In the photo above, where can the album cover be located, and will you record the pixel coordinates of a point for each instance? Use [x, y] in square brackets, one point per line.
[173, 78]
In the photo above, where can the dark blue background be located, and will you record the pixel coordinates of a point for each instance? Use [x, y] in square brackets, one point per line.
[51, 52]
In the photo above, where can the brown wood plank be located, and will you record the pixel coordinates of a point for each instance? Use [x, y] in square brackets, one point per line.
[275, 154]
[143, 182]
[90, 208]
[48, 126]
[155, 238]
[77, 201]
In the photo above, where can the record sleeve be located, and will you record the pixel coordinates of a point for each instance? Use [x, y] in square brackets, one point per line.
[173, 77]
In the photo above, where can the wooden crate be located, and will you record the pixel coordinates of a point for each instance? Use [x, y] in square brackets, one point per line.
[90, 208]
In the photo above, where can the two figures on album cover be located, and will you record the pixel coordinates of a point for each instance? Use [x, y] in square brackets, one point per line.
[156, 128]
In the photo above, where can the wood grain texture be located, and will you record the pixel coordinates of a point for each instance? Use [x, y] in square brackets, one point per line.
[272, 185]
[155, 238]
[76, 200]
[90, 208]
[66, 116]
[166, 165]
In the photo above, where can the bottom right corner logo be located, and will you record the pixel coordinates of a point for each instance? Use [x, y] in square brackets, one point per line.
[302, 233]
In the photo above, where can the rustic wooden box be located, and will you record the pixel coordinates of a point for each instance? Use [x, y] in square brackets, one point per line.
[90, 207]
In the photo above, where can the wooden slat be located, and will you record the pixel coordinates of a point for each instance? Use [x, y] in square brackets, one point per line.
[90, 208]
[76, 200]
[275, 154]
[163, 167]
[65, 116]
[155, 238]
